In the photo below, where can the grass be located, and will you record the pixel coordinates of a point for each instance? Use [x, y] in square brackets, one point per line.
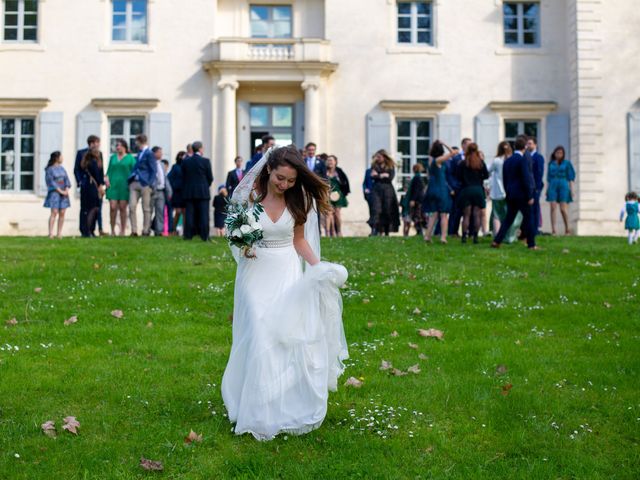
[560, 326]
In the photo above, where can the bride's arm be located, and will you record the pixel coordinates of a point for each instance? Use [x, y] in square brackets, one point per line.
[302, 246]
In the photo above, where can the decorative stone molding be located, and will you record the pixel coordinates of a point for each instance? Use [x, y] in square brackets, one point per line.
[228, 83]
[533, 107]
[22, 106]
[414, 108]
[310, 84]
[128, 106]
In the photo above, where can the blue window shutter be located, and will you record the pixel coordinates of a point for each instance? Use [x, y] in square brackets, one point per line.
[634, 151]
[449, 129]
[160, 132]
[50, 137]
[298, 124]
[487, 133]
[89, 123]
[243, 117]
[558, 133]
[378, 133]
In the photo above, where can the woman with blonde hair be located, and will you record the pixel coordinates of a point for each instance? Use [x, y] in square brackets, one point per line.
[385, 214]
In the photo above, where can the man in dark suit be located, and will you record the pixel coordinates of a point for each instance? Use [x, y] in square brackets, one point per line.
[93, 142]
[196, 181]
[267, 142]
[520, 189]
[234, 176]
[315, 164]
[537, 167]
[451, 176]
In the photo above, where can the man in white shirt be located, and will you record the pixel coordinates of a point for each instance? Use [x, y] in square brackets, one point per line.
[161, 189]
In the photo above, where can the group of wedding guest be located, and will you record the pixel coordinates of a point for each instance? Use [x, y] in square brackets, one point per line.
[447, 195]
[167, 197]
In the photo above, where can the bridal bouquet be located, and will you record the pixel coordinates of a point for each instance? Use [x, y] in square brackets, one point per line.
[242, 226]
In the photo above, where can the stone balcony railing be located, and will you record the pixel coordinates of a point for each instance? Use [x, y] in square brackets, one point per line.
[271, 50]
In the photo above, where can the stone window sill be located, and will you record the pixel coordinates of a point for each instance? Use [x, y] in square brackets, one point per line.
[414, 49]
[127, 47]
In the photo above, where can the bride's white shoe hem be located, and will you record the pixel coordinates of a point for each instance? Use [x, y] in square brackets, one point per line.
[261, 437]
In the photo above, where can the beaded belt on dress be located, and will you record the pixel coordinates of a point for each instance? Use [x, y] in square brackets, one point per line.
[274, 243]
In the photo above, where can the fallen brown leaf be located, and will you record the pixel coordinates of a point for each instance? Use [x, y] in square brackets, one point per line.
[71, 320]
[413, 345]
[384, 365]
[397, 372]
[414, 369]
[395, 334]
[71, 425]
[37, 289]
[96, 266]
[501, 369]
[149, 324]
[369, 324]
[12, 322]
[506, 389]
[353, 382]
[411, 276]
[432, 332]
[49, 428]
[117, 313]
[365, 300]
[422, 356]
[193, 437]
[416, 311]
[151, 465]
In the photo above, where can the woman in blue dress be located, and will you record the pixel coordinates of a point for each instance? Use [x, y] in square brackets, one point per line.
[632, 222]
[560, 179]
[437, 200]
[58, 186]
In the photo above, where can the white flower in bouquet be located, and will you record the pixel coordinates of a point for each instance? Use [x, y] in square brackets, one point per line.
[246, 229]
[237, 233]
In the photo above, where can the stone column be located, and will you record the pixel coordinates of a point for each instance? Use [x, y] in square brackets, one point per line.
[311, 111]
[227, 124]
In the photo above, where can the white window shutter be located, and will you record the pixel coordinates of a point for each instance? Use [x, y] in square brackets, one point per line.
[449, 129]
[487, 134]
[634, 151]
[50, 138]
[558, 133]
[298, 124]
[378, 133]
[160, 133]
[89, 123]
[245, 149]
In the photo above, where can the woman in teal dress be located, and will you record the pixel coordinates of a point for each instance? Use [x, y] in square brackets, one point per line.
[560, 179]
[121, 164]
[437, 200]
[338, 196]
[632, 222]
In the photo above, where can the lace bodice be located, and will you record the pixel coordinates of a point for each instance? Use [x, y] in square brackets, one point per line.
[280, 230]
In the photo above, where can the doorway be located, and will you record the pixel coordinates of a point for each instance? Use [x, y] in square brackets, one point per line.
[271, 119]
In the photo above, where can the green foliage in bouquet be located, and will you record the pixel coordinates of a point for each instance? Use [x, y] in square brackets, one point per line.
[242, 226]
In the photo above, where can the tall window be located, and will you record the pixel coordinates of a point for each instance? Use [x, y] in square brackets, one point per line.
[513, 128]
[21, 20]
[126, 128]
[129, 21]
[415, 23]
[270, 21]
[275, 120]
[521, 24]
[414, 141]
[17, 138]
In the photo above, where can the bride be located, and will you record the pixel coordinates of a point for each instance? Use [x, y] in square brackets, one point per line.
[288, 339]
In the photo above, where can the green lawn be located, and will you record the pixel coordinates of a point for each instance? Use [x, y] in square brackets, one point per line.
[537, 375]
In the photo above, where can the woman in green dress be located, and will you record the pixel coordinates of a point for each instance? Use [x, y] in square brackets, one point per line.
[338, 196]
[121, 164]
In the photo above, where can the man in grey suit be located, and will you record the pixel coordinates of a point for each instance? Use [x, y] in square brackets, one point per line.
[196, 182]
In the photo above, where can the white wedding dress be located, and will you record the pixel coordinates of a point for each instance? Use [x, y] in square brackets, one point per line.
[288, 339]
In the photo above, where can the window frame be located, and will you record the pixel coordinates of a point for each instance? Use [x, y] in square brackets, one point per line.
[402, 179]
[128, 26]
[520, 31]
[521, 121]
[413, 29]
[18, 154]
[126, 128]
[20, 26]
[271, 7]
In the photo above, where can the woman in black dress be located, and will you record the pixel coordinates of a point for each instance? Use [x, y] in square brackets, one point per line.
[472, 173]
[175, 179]
[385, 214]
[92, 189]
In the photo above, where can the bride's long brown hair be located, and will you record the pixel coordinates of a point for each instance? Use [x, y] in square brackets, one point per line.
[308, 186]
